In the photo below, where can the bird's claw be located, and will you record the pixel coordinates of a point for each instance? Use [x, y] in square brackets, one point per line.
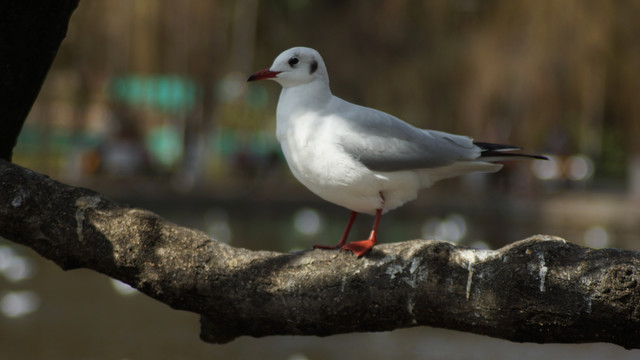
[359, 248]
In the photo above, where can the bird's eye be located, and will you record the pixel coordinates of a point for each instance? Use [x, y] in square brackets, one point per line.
[293, 61]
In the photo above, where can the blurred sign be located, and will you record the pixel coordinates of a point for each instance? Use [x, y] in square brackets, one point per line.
[161, 93]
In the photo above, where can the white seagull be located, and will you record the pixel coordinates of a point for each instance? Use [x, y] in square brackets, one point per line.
[360, 158]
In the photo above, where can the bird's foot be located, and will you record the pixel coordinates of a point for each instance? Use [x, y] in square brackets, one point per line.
[360, 248]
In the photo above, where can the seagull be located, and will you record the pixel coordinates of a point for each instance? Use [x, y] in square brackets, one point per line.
[360, 158]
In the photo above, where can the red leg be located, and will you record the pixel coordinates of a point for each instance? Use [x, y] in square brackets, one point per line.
[343, 240]
[360, 248]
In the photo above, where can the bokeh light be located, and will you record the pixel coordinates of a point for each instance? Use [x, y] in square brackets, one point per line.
[596, 237]
[232, 86]
[307, 221]
[452, 228]
[547, 170]
[579, 168]
[14, 267]
[16, 304]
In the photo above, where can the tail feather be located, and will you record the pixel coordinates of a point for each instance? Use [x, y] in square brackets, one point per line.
[498, 152]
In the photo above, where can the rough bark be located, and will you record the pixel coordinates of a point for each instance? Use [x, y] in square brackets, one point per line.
[542, 289]
[30, 34]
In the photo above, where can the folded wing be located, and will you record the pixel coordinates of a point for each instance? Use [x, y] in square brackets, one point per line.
[383, 142]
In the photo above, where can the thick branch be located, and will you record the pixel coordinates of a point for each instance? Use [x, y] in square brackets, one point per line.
[542, 289]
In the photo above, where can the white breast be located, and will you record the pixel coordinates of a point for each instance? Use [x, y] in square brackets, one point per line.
[317, 161]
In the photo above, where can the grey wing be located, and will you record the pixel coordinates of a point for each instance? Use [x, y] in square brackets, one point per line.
[383, 142]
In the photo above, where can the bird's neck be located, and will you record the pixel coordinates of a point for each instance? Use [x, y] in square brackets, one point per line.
[298, 101]
[312, 96]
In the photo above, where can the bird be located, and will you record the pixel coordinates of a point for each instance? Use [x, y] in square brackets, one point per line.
[361, 158]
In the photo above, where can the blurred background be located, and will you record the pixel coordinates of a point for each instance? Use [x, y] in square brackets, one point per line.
[147, 102]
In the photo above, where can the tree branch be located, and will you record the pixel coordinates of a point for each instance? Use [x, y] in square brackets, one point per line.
[541, 289]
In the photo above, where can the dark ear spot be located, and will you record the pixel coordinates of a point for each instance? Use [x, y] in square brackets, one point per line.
[313, 67]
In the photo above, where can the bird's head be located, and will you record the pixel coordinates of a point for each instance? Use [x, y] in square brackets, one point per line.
[293, 67]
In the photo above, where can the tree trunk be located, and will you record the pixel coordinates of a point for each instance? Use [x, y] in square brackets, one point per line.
[30, 34]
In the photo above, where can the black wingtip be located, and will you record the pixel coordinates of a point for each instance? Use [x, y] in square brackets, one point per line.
[495, 147]
[506, 155]
[500, 150]
[540, 157]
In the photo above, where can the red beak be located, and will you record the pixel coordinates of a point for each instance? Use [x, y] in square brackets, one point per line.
[263, 74]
